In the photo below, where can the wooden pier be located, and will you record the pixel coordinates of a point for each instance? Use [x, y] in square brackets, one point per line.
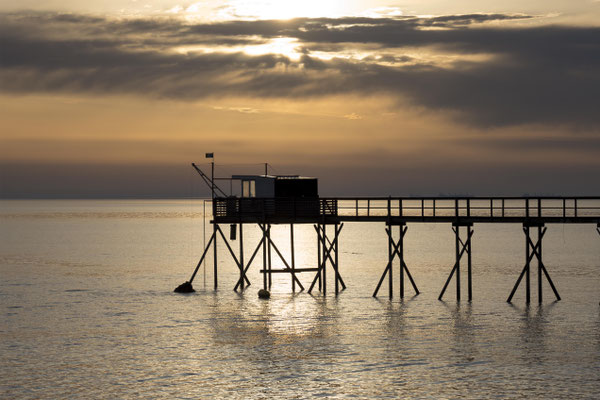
[328, 216]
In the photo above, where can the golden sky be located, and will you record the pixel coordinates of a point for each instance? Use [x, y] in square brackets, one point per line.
[115, 98]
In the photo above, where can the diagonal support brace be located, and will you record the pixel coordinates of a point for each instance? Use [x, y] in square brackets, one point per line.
[327, 248]
[272, 245]
[396, 249]
[258, 246]
[461, 248]
[238, 263]
[332, 247]
[533, 250]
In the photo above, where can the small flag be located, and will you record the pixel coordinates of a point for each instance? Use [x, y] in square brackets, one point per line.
[210, 155]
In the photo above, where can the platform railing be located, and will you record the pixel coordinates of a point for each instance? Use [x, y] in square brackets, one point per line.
[486, 207]
[493, 208]
[292, 207]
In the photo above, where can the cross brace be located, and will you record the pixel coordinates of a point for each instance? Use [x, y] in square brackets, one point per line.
[461, 248]
[396, 249]
[533, 250]
[266, 230]
[213, 241]
[328, 251]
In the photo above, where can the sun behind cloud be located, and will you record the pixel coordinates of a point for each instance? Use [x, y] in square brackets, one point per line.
[280, 9]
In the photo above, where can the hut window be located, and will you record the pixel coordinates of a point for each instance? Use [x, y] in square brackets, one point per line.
[249, 188]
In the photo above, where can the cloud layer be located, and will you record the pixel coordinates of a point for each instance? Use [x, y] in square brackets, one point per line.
[481, 68]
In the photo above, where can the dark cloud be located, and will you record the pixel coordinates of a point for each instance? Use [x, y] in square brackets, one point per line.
[533, 75]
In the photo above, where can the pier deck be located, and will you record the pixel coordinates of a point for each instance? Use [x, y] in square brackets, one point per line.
[400, 210]
[330, 214]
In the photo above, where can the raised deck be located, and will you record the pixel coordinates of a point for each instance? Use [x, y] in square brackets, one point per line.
[291, 199]
[400, 210]
[395, 212]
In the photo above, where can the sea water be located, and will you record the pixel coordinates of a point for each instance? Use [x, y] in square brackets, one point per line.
[88, 311]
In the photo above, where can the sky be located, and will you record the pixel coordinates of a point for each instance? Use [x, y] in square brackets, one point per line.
[116, 98]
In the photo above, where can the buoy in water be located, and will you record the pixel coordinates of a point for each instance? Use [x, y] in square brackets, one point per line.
[264, 294]
[185, 287]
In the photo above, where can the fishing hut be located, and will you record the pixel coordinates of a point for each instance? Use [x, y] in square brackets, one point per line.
[268, 200]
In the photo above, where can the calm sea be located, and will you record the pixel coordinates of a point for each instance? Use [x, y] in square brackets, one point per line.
[88, 311]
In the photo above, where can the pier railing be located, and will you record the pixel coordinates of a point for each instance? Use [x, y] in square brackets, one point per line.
[410, 208]
[461, 207]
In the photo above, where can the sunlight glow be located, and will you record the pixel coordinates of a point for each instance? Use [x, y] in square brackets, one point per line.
[267, 9]
[286, 9]
[282, 46]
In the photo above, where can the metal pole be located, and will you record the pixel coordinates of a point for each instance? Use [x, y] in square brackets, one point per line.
[215, 274]
[264, 251]
[242, 272]
[337, 272]
[269, 254]
[527, 264]
[212, 179]
[469, 232]
[391, 260]
[457, 239]
[401, 243]
[293, 256]
[324, 249]
[319, 257]
[539, 264]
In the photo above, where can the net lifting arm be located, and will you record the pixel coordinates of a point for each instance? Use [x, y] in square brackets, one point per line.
[208, 181]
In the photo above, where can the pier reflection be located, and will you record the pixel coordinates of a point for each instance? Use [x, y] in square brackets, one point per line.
[533, 333]
[273, 331]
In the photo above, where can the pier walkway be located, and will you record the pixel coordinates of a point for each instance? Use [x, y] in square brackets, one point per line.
[395, 212]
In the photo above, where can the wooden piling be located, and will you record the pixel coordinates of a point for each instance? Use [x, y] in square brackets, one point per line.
[293, 256]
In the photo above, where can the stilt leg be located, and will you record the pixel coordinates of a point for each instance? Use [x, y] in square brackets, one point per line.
[242, 271]
[264, 254]
[457, 239]
[240, 266]
[292, 256]
[288, 268]
[540, 265]
[401, 262]
[527, 267]
[324, 268]
[461, 248]
[534, 250]
[391, 262]
[470, 286]
[239, 282]
[269, 254]
[326, 248]
[396, 249]
[215, 273]
[318, 257]
[337, 271]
